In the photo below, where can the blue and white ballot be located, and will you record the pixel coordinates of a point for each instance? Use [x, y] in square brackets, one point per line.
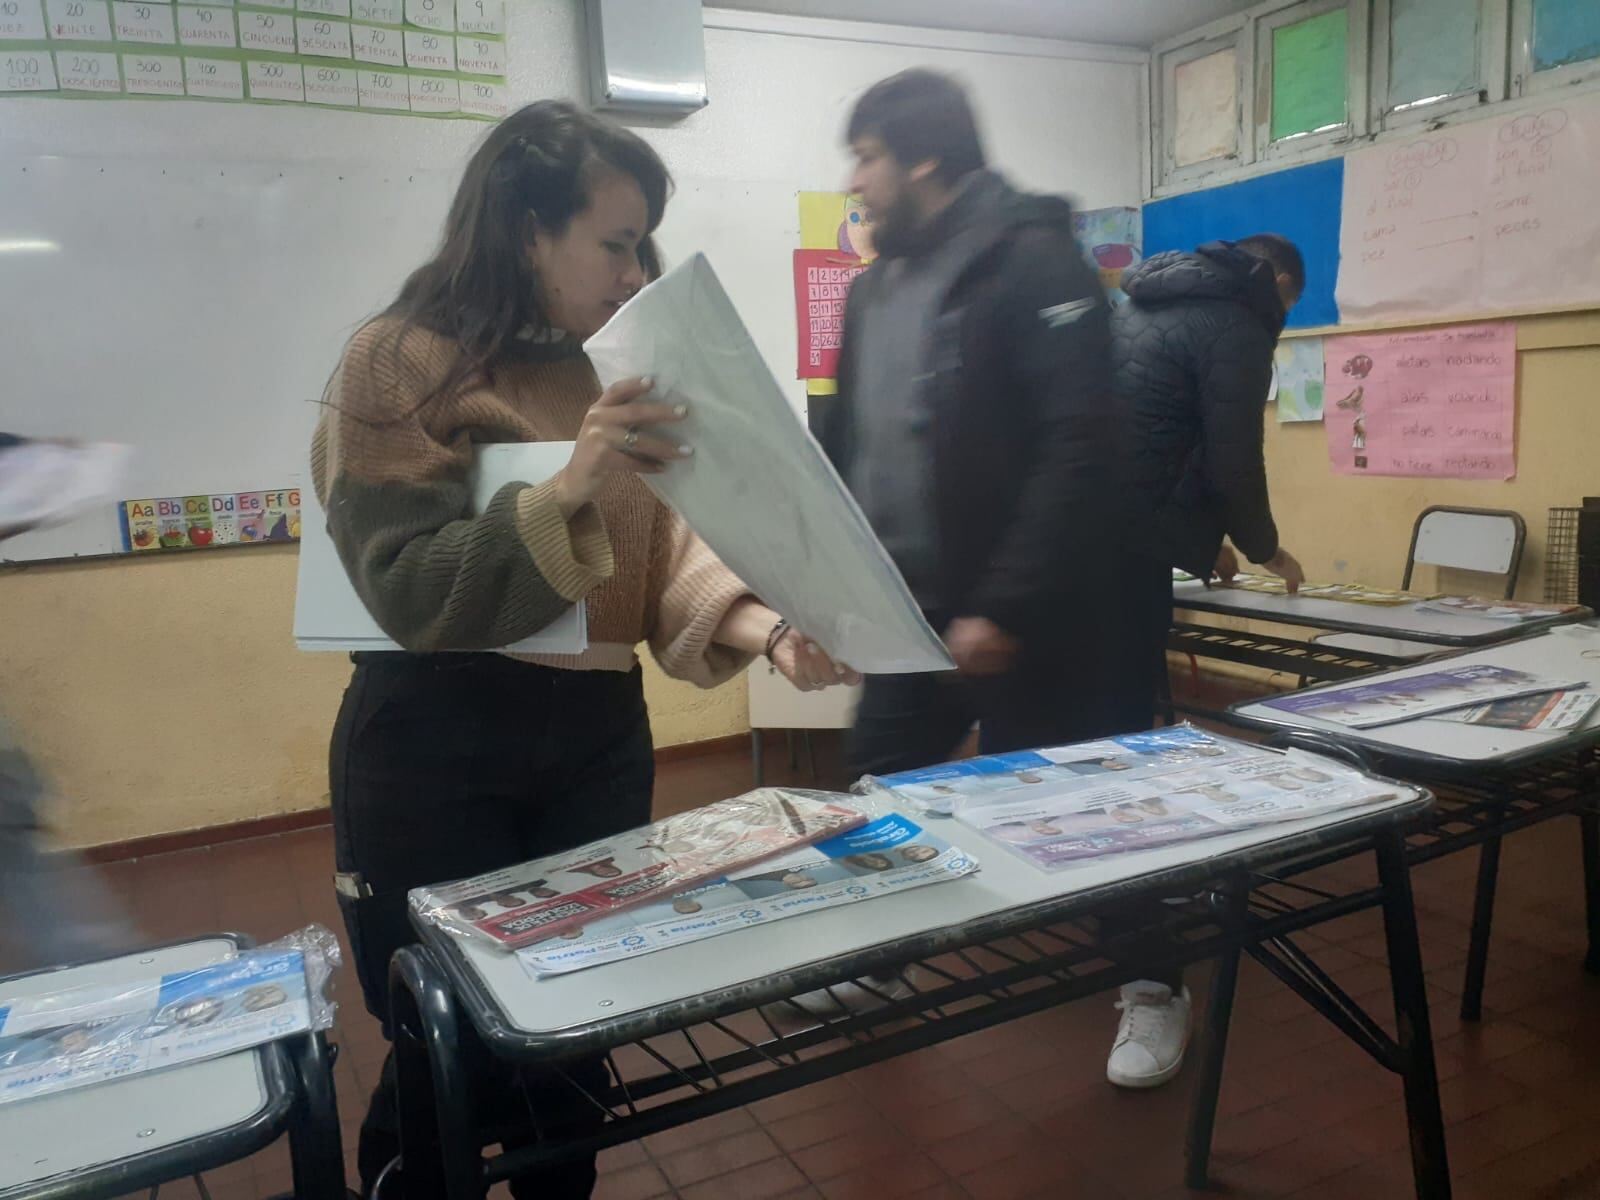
[80, 1036]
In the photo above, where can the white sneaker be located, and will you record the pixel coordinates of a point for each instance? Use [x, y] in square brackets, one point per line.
[1151, 1037]
[870, 992]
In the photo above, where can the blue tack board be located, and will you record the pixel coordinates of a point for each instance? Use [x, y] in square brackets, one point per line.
[1302, 204]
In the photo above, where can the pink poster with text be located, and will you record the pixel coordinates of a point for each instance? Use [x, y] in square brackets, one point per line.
[1439, 402]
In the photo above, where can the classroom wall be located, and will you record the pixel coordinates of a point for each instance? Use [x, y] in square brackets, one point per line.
[221, 719]
[1349, 528]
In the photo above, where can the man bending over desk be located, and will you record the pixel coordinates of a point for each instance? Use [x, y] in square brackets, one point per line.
[1192, 352]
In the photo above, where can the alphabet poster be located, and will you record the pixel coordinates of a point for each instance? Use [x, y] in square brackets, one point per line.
[835, 247]
[200, 522]
[1429, 402]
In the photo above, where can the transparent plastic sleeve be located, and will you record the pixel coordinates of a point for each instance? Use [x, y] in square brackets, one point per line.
[93, 1032]
[892, 852]
[554, 896]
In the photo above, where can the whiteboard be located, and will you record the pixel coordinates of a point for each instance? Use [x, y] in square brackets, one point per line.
[193, 311]
[1489, 216]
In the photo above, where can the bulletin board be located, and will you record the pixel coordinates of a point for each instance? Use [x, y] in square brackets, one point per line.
[1302, 204]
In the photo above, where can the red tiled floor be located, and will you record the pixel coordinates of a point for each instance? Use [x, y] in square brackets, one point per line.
[1023, 1112]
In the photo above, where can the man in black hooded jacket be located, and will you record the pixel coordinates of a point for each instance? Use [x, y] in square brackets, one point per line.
[1192, 352]
[974, 426]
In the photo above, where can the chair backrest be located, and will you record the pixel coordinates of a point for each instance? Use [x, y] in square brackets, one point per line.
[1488, 540]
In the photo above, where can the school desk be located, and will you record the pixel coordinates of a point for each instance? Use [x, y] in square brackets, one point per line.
[704, 1027]
[1489, 782]
[1320, 661]
[132, 1134]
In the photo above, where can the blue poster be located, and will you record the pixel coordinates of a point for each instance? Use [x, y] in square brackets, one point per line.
[1302, 204]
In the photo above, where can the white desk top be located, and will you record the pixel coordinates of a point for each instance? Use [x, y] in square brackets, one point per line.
[109, 1122]
[745, 957]
[1566, 653]
[1379, 620]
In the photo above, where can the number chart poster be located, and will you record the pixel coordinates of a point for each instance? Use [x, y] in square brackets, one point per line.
[836, 246]
[200, 522]
[436, 58]
[1433, 402]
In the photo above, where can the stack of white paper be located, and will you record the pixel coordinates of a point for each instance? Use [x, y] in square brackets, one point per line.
[329, 615]
[759, 490]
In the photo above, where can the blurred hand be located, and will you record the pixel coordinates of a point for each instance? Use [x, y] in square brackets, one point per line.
[980, 647]
[610, 442]
[1227, 565]
[807, 665]
[1284, 565]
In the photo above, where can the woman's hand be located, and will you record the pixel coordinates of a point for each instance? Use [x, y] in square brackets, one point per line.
[807, 665]
[750, 625]
[610, 441]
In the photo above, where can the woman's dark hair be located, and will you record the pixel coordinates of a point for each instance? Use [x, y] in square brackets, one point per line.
[650, 259]
[536, 169]
[921, 115]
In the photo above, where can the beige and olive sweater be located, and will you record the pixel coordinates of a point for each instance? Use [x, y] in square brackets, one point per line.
[392, 475]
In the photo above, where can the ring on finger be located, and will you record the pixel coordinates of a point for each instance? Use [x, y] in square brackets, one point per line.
[631, 438]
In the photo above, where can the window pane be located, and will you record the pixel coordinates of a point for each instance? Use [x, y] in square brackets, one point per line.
[1433, 49]
[1308, 74]
[1205, 97]
[1565, 31]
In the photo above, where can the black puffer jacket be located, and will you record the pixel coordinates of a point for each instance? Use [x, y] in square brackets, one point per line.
[1017, 386]
[1192, 352]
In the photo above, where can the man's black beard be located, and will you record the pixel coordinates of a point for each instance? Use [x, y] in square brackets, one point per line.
[895, 231]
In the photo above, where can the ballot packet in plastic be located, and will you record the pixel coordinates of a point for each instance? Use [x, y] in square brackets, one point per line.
[54, 1041]
[533, 901]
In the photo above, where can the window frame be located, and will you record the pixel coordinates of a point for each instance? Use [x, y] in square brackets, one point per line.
[1275, 14]
[1491, 88]
[1525, 81]
[1227, 34]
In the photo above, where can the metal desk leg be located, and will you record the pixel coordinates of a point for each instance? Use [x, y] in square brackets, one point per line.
[440, 1153]
[1213, 1048]
[1482, 918]
[1589, 824]
[316, 1152]
[1414, 1041]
